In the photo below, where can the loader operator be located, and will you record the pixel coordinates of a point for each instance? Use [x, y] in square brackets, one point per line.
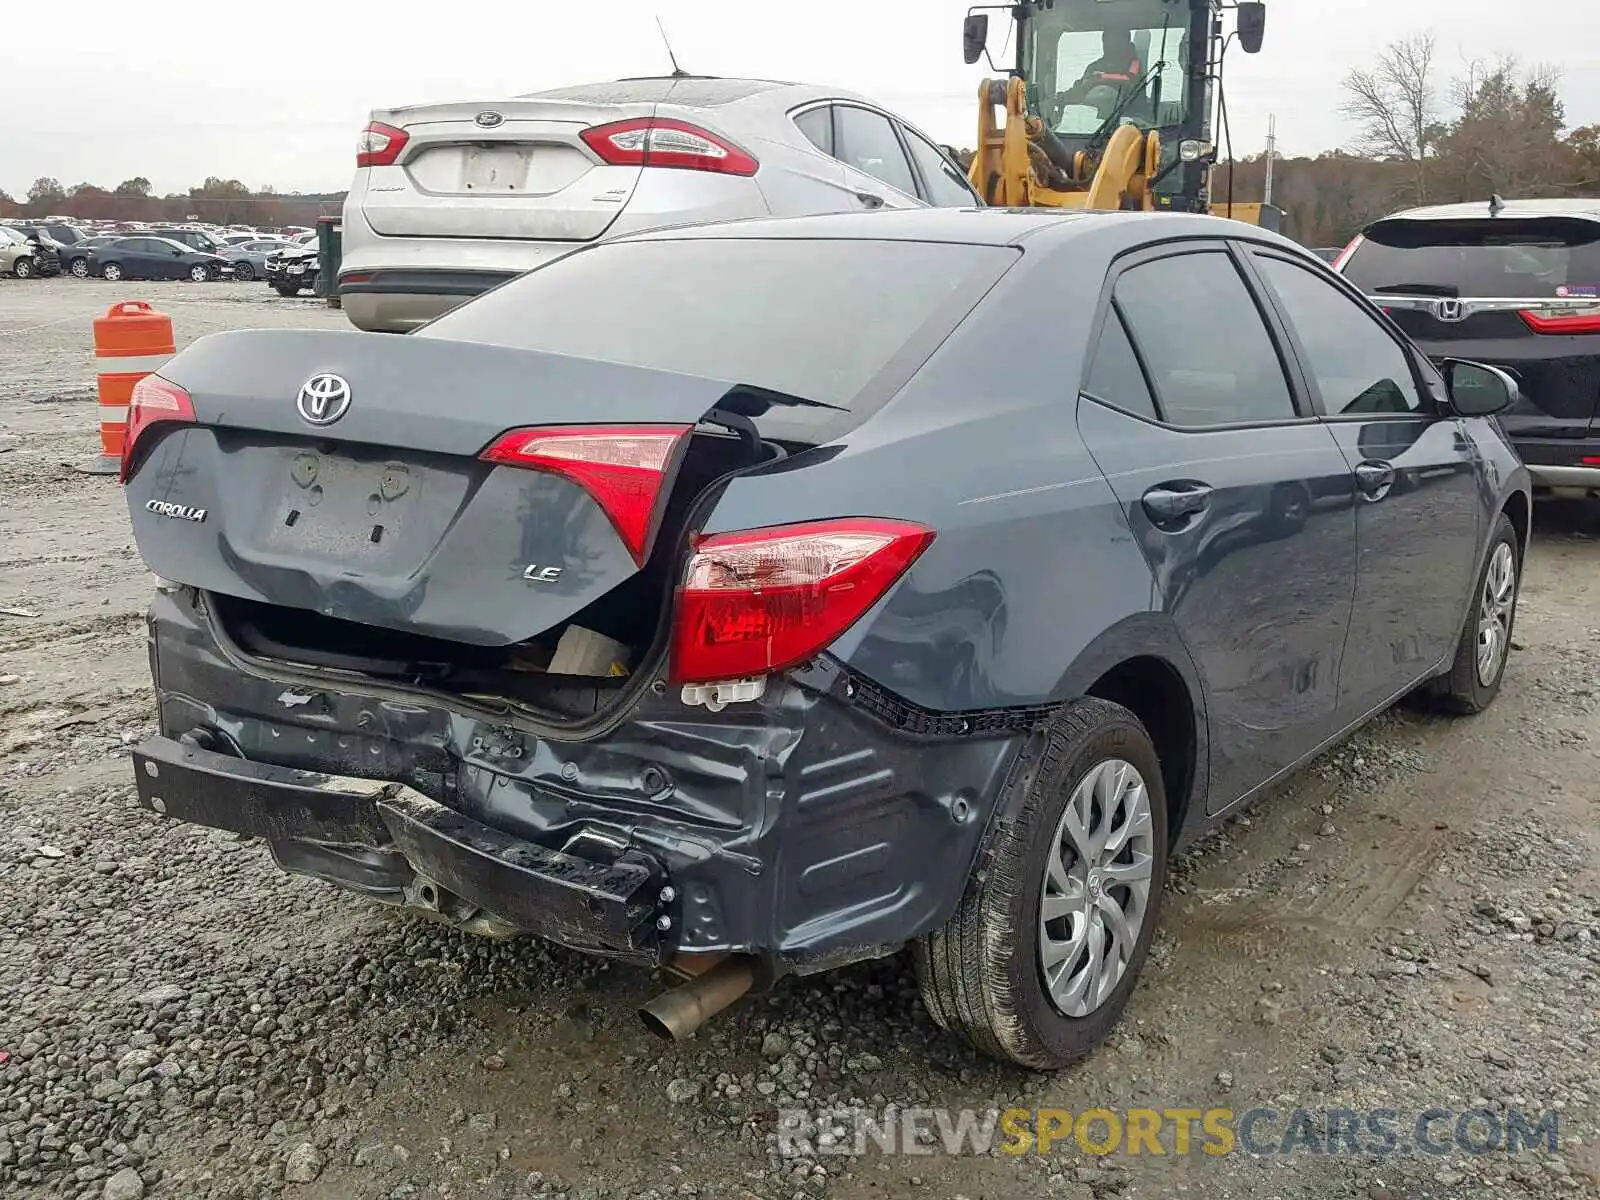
[1118, 63]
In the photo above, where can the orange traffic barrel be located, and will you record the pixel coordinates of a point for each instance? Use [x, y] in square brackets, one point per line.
[130, 342]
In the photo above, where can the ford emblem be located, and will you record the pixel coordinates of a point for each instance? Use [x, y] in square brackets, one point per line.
[488, 120]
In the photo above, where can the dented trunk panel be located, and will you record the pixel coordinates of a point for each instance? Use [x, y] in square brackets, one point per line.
[798, 828]
[387, 517]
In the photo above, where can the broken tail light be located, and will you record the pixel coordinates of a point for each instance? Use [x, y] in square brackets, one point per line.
[659, 142]
[155, 400]
[622, 467]
[763, 600]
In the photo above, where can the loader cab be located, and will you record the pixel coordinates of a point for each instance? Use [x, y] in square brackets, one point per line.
[1092, 65]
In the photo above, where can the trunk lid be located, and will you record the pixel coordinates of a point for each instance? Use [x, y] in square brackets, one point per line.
[387, 516]
[499, 169]
[1460, 288]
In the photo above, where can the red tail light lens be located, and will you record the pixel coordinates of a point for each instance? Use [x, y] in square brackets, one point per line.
[763, 600]
[657, 142]
[154, 400]
[622, 467]
[1344, 255]
[1559, 323]
[379, 145]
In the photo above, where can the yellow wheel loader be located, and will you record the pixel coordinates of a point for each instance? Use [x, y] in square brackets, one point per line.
[1108, 105]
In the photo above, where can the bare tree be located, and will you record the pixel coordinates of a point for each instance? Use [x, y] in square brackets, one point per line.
[1508, 136]
[1396, 102]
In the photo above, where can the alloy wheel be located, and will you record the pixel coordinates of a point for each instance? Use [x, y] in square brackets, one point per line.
[1096, 890]
[1495, 609]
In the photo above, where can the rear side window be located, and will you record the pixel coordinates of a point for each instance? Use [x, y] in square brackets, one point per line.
[1115, 377]
[817, 125]
[1204, 342]
[812, 318]
[1480, 258]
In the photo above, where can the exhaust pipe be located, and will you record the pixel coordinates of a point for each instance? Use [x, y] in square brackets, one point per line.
[676, 1014]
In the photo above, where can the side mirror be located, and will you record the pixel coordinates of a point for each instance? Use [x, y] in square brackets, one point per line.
[974, 37]
[1252, 25]
[1477, 390]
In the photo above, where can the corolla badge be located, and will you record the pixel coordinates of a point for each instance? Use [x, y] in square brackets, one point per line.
[181, 512]
[488, 120]
[323, 399]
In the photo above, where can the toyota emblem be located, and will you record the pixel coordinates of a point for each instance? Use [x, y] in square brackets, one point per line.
[488, 120]
[323, 399]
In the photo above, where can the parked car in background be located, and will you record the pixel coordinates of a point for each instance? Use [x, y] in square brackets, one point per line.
[23, 257]
[249, 257]
[1327, 254]
[75, 258]
[292, 269]
[1515, 284]
[773, 604]
[451, 199]
[154, 258]
[195, 239]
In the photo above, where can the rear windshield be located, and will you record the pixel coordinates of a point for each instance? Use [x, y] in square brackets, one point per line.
[1510, 258]
[843, 323]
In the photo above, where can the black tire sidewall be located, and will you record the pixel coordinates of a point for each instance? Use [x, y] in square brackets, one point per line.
[1465, 685]
[1055, 1038]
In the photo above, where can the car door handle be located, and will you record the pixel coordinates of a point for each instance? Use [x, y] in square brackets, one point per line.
[1374, 479]
[1170, 502]
[870, 199]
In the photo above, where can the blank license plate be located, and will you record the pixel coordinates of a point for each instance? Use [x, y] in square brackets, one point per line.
[496, 168]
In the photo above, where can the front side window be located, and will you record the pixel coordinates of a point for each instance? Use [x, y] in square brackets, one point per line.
[866, 141]
[1357, 366]
[947, 187]
[1204, 341]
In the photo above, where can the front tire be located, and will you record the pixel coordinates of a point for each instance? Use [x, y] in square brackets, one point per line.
[1485, 645]
[200, 273]
[22, 268]
[80, 268]
[1038, 962]
[111, 271]
[243, 271]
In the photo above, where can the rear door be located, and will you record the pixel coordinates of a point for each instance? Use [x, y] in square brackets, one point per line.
[1417, 475]
[1520, 292]
[508, 169]
[1239, 497]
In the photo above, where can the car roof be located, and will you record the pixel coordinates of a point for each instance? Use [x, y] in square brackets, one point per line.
[1556, 206]
[973, 226]
[694, 91]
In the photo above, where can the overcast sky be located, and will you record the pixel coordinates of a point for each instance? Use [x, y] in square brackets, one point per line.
[177, 91]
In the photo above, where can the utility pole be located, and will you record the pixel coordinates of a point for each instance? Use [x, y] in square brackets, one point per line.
[1272, 153]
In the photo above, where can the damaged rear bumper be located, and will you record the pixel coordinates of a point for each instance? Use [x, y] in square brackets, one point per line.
[819, 825]
[392, 843]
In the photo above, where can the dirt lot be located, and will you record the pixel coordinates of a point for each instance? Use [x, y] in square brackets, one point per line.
[1414, 922]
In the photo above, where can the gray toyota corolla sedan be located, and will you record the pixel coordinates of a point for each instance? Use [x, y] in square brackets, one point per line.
[751, 599]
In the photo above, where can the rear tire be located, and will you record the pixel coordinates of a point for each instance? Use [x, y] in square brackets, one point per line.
[23, 267]
[1480, 663]
[111, 271]
[1031, 897]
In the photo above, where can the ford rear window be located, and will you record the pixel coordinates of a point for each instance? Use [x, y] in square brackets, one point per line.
[1480, 258]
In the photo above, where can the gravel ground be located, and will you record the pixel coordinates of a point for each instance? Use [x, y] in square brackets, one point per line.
[1414, 921]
